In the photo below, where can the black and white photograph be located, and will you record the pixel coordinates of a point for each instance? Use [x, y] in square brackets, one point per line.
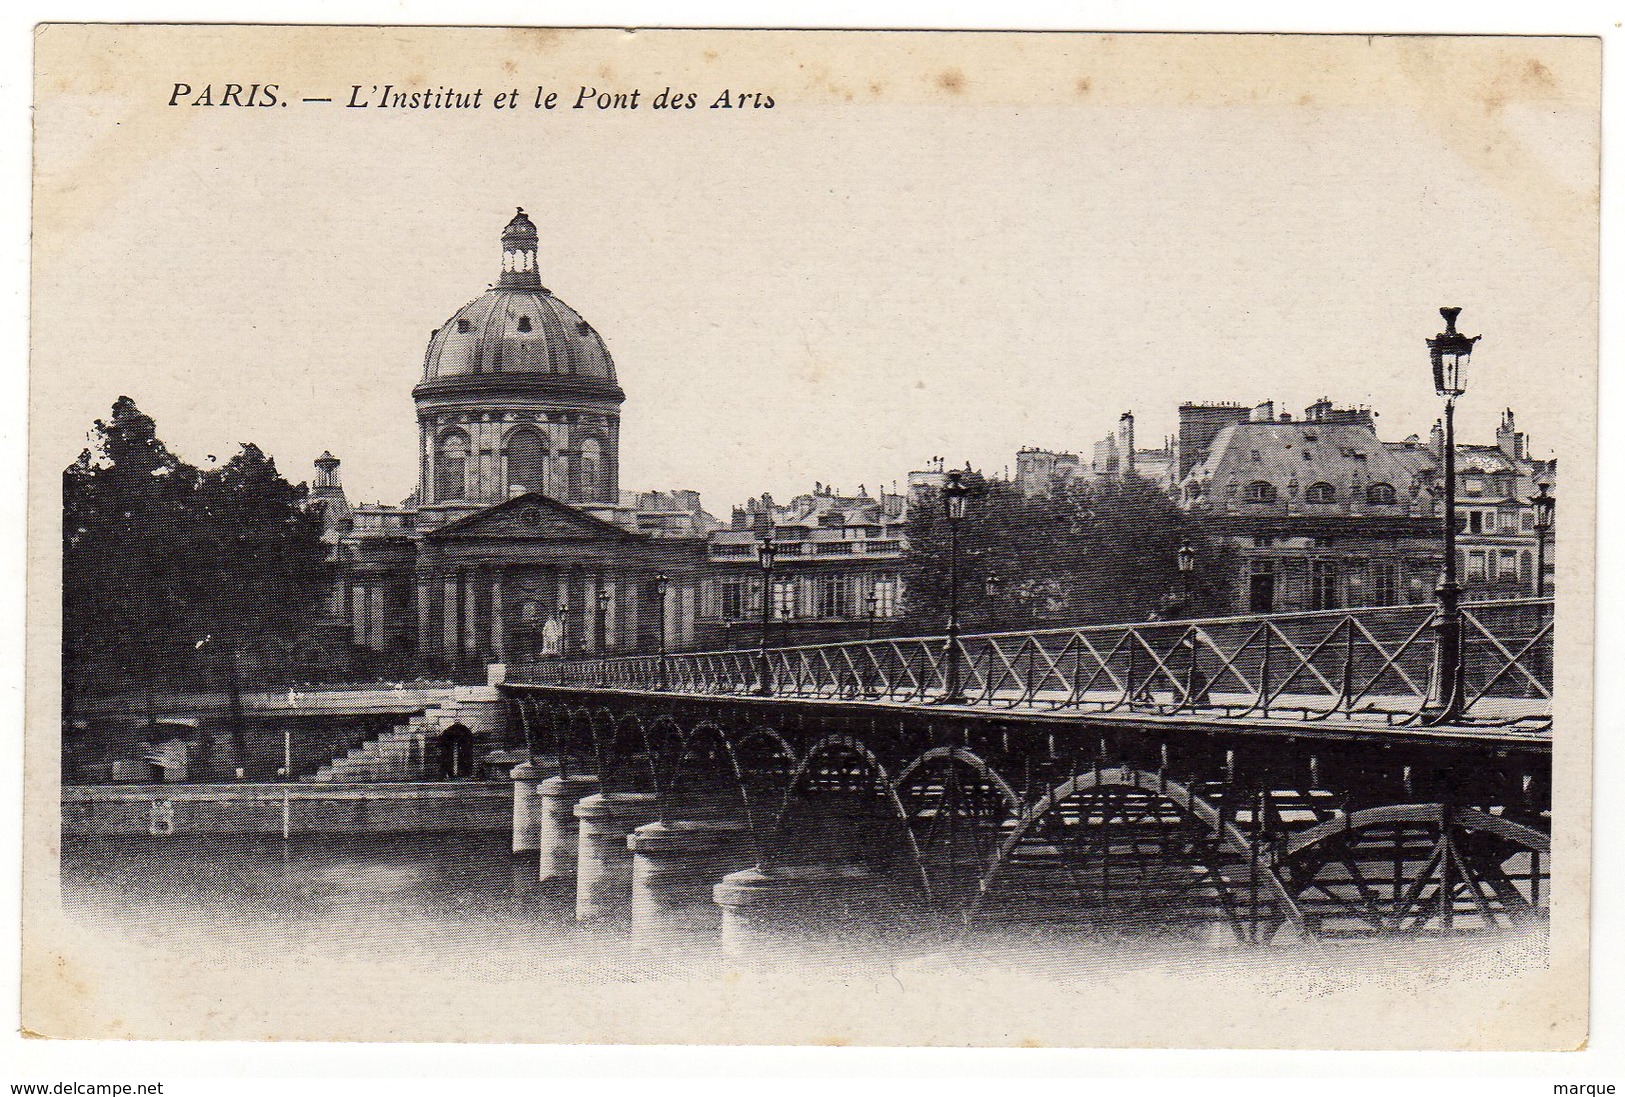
[1054, 540]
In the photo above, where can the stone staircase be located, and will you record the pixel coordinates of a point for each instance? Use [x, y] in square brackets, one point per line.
[396, 755]
[410, 751]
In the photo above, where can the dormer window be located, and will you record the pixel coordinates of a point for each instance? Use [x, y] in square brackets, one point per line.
[463, 326]
[1320, 493]
[524, 323]
[1260, 491]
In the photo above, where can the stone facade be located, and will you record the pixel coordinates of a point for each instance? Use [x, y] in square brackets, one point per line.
[1321, 513]
[518, 543]
[836, 576]
[1324, 515]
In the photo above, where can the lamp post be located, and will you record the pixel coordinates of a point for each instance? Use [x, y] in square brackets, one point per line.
[954, 496]
[603, 631]
[873, 604]
[662, 584]
[992, 587]
[1186, 559]
[765, 549]
[1449, 352]
[1544, 505]
[564, 628]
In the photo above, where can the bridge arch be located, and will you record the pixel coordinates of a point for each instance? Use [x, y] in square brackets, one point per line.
[662, 745]
[1134, 851]
[841, 808]
[623, 760]
[1423, 868]
[959, 810]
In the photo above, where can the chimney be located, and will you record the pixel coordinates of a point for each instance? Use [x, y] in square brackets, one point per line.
[1125, 437]
[1507, 437]
[1263, 413]
[1436, 439]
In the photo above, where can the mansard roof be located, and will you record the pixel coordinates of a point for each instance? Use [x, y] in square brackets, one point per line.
[1337, 452]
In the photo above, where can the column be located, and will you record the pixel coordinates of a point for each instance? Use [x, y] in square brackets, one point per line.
[497, 651]
[358, 615]
[471, 632]
[425, 607]
[449, 646]
[568, 644]
[375, 618]
[626, 628]
[589, 614]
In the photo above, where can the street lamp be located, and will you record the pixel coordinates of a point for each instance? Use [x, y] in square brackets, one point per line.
[955, 493]
[1449, 352]
[873, 603]
[765, 549]
[1186, 559]
[564, 627]
[662, 584]
[1544, 504]
[603, 631]
[992, 586]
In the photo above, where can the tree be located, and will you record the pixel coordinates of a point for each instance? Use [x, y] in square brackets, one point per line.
[165, 567]
[1088, 553]
[255, 565]
[124, 508]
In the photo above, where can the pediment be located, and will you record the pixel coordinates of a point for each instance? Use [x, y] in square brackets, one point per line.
[531, 517]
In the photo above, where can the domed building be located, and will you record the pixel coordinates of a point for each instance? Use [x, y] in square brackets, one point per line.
[518, 395]
[518, 543]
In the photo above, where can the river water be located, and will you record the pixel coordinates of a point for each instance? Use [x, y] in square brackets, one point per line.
[440, 913]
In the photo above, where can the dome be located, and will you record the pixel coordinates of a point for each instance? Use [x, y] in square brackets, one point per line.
[517, 329]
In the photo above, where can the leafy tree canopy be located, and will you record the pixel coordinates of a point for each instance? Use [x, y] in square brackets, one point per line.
[1087, 553]
[160, 558]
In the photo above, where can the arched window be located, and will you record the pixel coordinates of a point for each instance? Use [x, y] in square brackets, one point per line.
[587, 486]
[1260, 491]
[1380, 495]
[1320, 493]
[525, 460]
[451, 466]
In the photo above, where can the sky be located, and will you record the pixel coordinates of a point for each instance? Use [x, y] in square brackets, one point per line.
[844, 286]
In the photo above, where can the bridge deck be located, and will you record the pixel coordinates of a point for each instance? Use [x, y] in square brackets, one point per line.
[1348, 673]
[1286, 722]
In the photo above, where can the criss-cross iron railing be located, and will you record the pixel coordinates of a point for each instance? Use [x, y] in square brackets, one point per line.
[1374, 664]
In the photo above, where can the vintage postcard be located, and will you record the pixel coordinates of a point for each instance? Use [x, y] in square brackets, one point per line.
[795, 537]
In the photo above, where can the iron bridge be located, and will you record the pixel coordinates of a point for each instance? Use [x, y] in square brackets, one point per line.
[1287, 776]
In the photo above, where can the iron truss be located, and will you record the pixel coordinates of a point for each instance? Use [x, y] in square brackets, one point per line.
[983, 818]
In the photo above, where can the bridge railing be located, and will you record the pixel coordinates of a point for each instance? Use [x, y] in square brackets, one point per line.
[1375, 664]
